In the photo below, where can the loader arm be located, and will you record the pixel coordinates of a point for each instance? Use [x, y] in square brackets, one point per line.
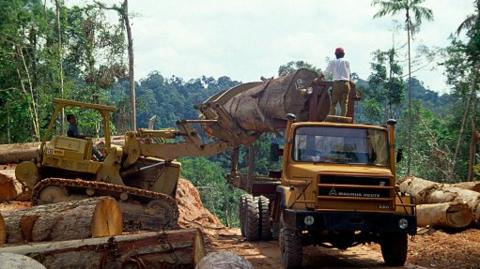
[157, 144]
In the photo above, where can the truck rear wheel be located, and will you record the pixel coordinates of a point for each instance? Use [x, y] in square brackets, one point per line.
[265, 226]
[242, 209]
[394, 248]
[291, 248]
[252, 218]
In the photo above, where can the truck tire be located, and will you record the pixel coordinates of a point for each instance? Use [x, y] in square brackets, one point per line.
[265, 224]
[252, 219]
[394, 248]
[242, 209]
[291, 248]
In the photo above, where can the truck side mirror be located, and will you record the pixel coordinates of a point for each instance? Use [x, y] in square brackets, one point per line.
[275, 152]
[399, 155]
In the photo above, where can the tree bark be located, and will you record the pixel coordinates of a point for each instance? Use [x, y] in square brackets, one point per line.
[166, 249]
[131, 76]
[473, 186]
[79, 219]
[428, 192]
[450, 214]
[16, 153]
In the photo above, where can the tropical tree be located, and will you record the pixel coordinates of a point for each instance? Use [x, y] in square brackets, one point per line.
[411, 8]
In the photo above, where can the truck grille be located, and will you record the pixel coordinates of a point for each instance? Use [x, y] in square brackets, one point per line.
[355, 193]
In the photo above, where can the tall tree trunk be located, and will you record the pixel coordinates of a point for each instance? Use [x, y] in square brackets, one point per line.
[60, 61]
[29, 103]
[410, 119]
[130, 65]
[33, 102]
[464, 120]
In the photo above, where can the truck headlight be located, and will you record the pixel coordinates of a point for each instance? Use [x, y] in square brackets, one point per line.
[403, 224]
[309, 220]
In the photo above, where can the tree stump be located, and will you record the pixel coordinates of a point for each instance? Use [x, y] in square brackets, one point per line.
[14, 261]
[93, 217]
[224, 260]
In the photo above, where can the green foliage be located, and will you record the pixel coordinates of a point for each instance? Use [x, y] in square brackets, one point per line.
[295, 65]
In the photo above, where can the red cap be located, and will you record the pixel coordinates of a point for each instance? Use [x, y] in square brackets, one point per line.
[339, 50]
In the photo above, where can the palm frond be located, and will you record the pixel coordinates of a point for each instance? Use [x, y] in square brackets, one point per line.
[467, 24]
[391, 7]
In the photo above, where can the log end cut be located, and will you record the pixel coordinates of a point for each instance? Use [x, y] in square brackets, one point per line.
[107, 218]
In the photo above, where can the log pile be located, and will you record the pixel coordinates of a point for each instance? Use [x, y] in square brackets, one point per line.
[443, 205]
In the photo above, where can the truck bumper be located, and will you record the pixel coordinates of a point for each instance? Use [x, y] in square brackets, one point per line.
[349, 221]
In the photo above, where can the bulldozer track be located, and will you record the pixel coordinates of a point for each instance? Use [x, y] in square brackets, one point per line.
[113, 189]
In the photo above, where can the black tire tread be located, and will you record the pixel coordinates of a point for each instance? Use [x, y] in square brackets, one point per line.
[394, 248]
[265, 225]
[291, 248]
[242, 209]
[252, 219]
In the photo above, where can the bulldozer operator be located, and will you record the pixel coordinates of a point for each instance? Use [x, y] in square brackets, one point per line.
[339, 70]
[73, 132]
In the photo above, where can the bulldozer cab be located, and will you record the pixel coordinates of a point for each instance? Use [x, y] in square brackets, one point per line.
[72, 153]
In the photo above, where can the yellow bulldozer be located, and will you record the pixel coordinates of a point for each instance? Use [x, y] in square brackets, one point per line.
[141, 174]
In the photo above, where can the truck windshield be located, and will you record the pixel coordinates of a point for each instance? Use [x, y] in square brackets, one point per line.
[341, 145]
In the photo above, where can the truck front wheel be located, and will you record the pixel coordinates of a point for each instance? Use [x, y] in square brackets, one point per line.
[291, 248]
[394, 248]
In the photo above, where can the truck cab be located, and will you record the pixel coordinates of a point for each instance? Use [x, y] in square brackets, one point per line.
[337, 189]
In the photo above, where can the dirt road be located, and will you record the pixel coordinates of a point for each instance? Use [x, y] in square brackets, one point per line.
[437, 250]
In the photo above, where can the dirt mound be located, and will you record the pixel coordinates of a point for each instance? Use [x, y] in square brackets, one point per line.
[192, 211]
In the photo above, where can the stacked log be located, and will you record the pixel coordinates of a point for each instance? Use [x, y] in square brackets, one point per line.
[11, 188]
[93, 217]
[166, 249]
[447, 203]
[16, 153]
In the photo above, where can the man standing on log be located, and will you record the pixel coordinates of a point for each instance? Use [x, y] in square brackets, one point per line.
[339, 70]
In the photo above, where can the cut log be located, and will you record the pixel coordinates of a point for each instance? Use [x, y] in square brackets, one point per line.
[154, 216]
[7, 186]
[93, 217]
[224, 260]
[167, 249]
[10, 260]
[428, 192]
[16, 153]
[450, 215]
[473, 185]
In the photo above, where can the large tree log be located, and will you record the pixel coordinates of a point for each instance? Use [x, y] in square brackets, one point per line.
[16, 153]
[167, 249]
[93, 217]
[453, 215]
[428, 192]
[473, 185]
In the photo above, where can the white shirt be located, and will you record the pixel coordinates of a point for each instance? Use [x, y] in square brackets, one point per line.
[339, 69]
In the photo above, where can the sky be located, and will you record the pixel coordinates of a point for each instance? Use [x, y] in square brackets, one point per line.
[247, 39]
